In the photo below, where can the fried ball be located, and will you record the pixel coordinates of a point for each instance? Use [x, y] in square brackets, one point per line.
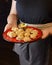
[34, 31]
[11, 34]
[33, 34]
[19, 37]
[27, 34]
[28, 30]
[26, 39]
[20, 31]
[14, 29]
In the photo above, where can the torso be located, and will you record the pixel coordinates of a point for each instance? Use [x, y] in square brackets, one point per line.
[32, 11]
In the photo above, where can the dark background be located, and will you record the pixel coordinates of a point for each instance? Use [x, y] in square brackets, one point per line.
[5, 46]
[7, 56]
[5, 6]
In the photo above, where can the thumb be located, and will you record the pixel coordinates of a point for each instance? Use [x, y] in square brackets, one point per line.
[45, 34]
[7, 27]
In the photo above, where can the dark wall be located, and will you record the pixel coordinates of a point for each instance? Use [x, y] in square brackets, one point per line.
[7, 56]
[4, 11]
[5, 6]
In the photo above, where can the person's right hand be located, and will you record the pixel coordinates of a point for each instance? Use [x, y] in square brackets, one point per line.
[11, 22]
[8, 26]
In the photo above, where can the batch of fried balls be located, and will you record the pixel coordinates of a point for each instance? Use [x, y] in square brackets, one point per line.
[25, 34]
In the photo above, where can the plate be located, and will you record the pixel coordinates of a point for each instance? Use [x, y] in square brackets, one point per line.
[7, 38]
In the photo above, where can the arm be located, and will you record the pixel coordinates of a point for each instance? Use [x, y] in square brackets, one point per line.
[46, 29]
[12, 17]
[47, 26]
[13, 8]
[41, 26]
[50, 30]
[13, 13]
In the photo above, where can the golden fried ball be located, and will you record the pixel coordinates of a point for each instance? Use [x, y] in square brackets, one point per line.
[26, 39]
[11, 34]
[14, 29]
[20, 37]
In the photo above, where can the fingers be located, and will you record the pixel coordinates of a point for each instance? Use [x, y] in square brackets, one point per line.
[45, 33]
[7, 27]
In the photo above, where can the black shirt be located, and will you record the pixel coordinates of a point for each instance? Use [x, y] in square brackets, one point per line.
[33, 11]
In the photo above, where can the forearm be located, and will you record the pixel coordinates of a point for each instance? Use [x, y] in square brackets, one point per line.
[41, 26]
[50, 30]
[49, 27]
[13, 17]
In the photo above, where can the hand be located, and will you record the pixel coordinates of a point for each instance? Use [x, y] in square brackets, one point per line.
[11, 21]
[9, 25]
[46, 29]
[46, 33]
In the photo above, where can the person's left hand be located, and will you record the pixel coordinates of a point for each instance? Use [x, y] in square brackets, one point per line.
[46, 33]
[45, 30]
